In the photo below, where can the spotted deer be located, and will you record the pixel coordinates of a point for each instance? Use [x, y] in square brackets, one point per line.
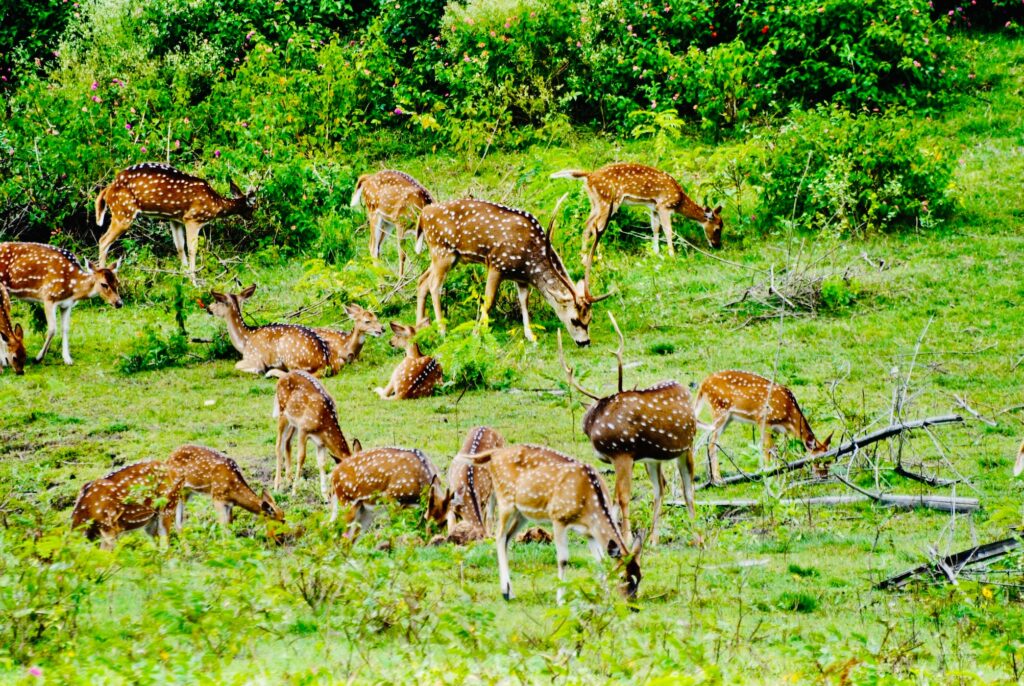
[141, 495]
[363, 479]
[753, 399]
[345, 346]
[541, 484]
[53, 277]
[304, 409]
[211, 472]
[284, 347]
[416, 375]
[615, 185]
[161, 191]
[12, 337]
[393, 199]
[1018, 466]
[513, 246]
[652, 425]
[470, 484]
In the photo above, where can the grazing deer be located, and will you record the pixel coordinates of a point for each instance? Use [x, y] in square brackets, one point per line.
[653, 426]
[753, 399]
[544, 485]
[392, 198]
[161, 191]
[615, 185]
[346, 346]
[208, 471]
[12, 337]
[303, 407]
[470, 484]
[286, 347]
[52, 276]
[514, 246]
[1018, 467]
[416, 375]
[361, 480]
[142, 495]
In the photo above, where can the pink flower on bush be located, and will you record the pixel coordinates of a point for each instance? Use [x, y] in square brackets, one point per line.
[398, 110]
[35, 671]
[142, 149]
[127, 127]
[216, 153]
[97, 98]
[95, 85]
[917, 65]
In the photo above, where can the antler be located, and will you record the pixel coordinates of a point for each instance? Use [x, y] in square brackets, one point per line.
[569, 371]
[554, 214]
[622, 347]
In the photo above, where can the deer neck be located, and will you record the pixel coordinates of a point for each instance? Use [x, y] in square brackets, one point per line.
[412, 351]
[238, 330]
[553, 281]
[334, 440]
[354, 345]
[245, 498]
[691, 210]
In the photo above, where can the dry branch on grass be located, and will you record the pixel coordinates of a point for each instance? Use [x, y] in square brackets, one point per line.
[904, 502]
[950, 566]
[792, 292]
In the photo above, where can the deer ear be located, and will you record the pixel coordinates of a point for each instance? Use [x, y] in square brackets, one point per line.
[18, 331]
[219, 297]
[396, 327]
[235, 190]
[638, 544]
[357, 447]
[92, 266]
[4, 338]
[247, 293]
[718, 210]
[828, 441]
[352, 310]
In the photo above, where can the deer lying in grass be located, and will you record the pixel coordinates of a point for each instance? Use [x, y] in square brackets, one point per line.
[393, 199]
[416, 375]
[208, 471]
[303, 407]
[653, 426]
[142, 495]
[52, 276]
[12, 337]
[615, 185]
[346, 346]
[753, 399]
[361, 480]
[159, 190]
[286, 347]
[470, 484]
[541, 484]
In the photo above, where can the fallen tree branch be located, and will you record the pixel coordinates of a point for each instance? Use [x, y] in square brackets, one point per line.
[952, 563]
[932, 481]
[903, 502]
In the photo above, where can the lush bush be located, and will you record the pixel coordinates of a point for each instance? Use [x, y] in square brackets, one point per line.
[154, 350]
[472, 359]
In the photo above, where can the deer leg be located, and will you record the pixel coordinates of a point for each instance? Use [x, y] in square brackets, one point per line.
[375, 239]
[665, 219]
[766, 445]
[50, 310]
[65, 327]
[623, 488]
[658, 484]
[654, 230]
[321, 463]
[300, 461]
[717, 427]
[179, 512]
[439, 270]
[284, 442]
[490, 292]
[192, 244]
[178, 234]
[117, 227]
[524, 299]
[108, 538]
[560, 536]
[686, 469]
[507, 524]
[422, 286]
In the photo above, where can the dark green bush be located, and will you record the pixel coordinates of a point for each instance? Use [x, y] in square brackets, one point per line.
[473, 360]
[153, 350]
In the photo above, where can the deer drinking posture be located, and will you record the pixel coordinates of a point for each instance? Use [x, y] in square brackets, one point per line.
[208, 471]
[142, 495]
[653, 426]
[416, 375]
[305, 409]
[615, 185]
[346, 346]
[12, 337]
[392, 200]
[361, 480]
[285, 347]
[52, 276]
[513, 246]
[470, 484]
[753, 399]
[159, 190]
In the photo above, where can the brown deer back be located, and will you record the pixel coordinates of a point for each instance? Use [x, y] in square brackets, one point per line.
[392, 192]
[655, 423]
[163, 191]
[416, 377]
[397, 473]
[624, 181]
[751, 397]
[127, 499]
[47, 273]
[470, 483]
[307, 405]
[213, 473]
[289, 347]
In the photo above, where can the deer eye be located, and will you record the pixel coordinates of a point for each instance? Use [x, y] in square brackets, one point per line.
[104, 285]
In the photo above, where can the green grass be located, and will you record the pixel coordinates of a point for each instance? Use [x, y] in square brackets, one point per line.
[780, 594]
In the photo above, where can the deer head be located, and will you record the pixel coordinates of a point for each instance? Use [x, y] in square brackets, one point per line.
[269, 507]
[403, 335]
[630, 565]
[15, 342]
[364, 320]
[816, 447]
[105, 284]
[245, 202]
[713, 226]
[225, 303]
[438, 502]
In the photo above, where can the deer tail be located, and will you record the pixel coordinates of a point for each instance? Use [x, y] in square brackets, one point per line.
[419, 233]
[357, 196]
[275, 374]
[477, 458]
[101, 206]
[570, 174]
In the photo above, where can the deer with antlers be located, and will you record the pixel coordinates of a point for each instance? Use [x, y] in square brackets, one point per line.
[470, 484]
[651, 425]
[753, 399]
[284, 347]
[53, 277]
[12, 337]
[363, 479]
[142, 495]
[615, 185]
[211, 472]
[161, 191]
[304, 409]
[392, 200]
[538, 483]
[416, 375]
[513, 246]
[345, 346]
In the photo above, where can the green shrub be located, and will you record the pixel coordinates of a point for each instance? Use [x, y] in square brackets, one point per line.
[152, 350]
[473, 360]
[797, 601]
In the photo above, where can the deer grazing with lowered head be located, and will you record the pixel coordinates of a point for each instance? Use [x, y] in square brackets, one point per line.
[346, 346]
[142, 495]
[538, 483]
[208, 471]
[364, 478]
[304, 409]
[513, 246]
[161, 191]
[12, 337]
[615, 185]
[753, 399]
[470, 484]
[393, 199]
[651, 425]
[53, 277]
[284, 347]
[416, 375]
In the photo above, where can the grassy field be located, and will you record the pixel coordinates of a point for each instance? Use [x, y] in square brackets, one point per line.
[781, 594]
